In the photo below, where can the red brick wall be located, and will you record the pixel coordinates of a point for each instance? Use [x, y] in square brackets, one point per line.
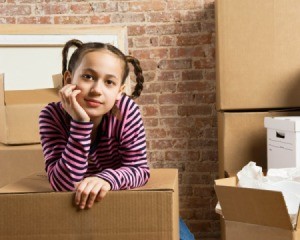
[174, 41]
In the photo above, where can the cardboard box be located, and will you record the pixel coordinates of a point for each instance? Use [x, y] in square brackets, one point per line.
[150, 212]
[254, 214]
[257, 54]
[283, 141]
[19, 113]
[242, 138]
[17, 162]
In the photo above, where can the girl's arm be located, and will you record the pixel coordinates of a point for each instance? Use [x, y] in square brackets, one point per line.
[134, 171]
[65, 155]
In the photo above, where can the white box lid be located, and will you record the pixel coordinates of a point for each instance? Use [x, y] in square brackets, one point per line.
[283, 123]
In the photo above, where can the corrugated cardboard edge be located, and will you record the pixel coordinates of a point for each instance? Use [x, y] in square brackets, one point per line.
[38, 183]
[218, 54]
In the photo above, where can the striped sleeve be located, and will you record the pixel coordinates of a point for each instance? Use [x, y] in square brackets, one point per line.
[65, 148]
[134, 171]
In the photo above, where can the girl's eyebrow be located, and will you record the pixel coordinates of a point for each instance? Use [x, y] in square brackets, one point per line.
[95, 72]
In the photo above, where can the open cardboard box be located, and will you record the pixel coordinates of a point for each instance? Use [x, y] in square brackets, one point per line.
[31, 210]
[19, 113]
[253, 213]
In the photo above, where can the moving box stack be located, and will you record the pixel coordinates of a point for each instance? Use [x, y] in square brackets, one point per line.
[258, 76]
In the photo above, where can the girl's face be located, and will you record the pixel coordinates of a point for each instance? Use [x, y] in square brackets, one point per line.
[99, 77]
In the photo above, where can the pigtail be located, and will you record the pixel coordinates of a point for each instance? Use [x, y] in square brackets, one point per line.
[65, 51]
[139, 76]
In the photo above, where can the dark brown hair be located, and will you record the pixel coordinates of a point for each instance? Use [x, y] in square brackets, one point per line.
[84, 48]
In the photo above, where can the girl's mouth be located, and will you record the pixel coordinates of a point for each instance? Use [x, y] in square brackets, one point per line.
[92, 103]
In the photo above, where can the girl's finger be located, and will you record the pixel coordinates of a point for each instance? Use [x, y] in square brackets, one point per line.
[93, 194]
[104, 190]
[79, 191]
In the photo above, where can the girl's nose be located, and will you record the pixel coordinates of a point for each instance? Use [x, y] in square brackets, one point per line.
[97, 88]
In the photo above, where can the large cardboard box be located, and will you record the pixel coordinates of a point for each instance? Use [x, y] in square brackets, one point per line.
[19, 113]
[257, 54]
[254, 214]
[29, 210]
[17, 162]
[283, 142]
[242, 138]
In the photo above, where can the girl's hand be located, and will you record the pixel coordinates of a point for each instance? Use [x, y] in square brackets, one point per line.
[68, 98]
[89, 190]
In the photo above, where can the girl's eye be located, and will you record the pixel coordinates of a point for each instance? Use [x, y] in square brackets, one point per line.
[87, 76]
[110, 82]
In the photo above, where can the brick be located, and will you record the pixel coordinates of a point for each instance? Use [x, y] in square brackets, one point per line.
[197, 39]
[148, 65]
[103, 19]
[159, 87]
[7, 20]
[196, 202]
[209, 4]
[175, 64]
[151, 53]
[178, 133]
[204, 191]
[84, 8]
[204, 122]
[169, 75]
[155, 156]
[203, 166]
[71, 20]
[205, 63]
[198, 178]
[149, 111]
[100, 7]
[206, 98]
[168, 111]
[184, 5]
[150, 122]
[165, 144]
[211, 155]
[51, 9]
[164, 29]
[177, 122]
[190, 75]
[176, 98]
[182, 155]
[15, 10]
[156, 134]
[163, 17]
[193, 86]
[127, 17]
[209, 74]
[192, 27]
[185, 190]
[149, 76]
[136, 30]
[140, 6]
[194, 110]
[187, 52]
[147, 99]
[141, 42]
[34, 20]
[208, 27]
[193, 16]
[167, 41]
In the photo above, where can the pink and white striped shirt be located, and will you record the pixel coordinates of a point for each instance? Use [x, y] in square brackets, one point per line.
[118, 155]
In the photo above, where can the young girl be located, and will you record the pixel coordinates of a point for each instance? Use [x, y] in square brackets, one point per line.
[94, 139]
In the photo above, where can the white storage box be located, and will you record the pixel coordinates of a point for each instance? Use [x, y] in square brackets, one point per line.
[283, 141]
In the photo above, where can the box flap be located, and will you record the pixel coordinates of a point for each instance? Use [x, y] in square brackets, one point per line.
[57, 81]
[36, 96]
[252, 206]
[160, 180]
[37, 182]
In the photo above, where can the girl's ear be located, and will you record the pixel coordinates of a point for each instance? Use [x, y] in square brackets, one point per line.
[120, 92]
[67, 78]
